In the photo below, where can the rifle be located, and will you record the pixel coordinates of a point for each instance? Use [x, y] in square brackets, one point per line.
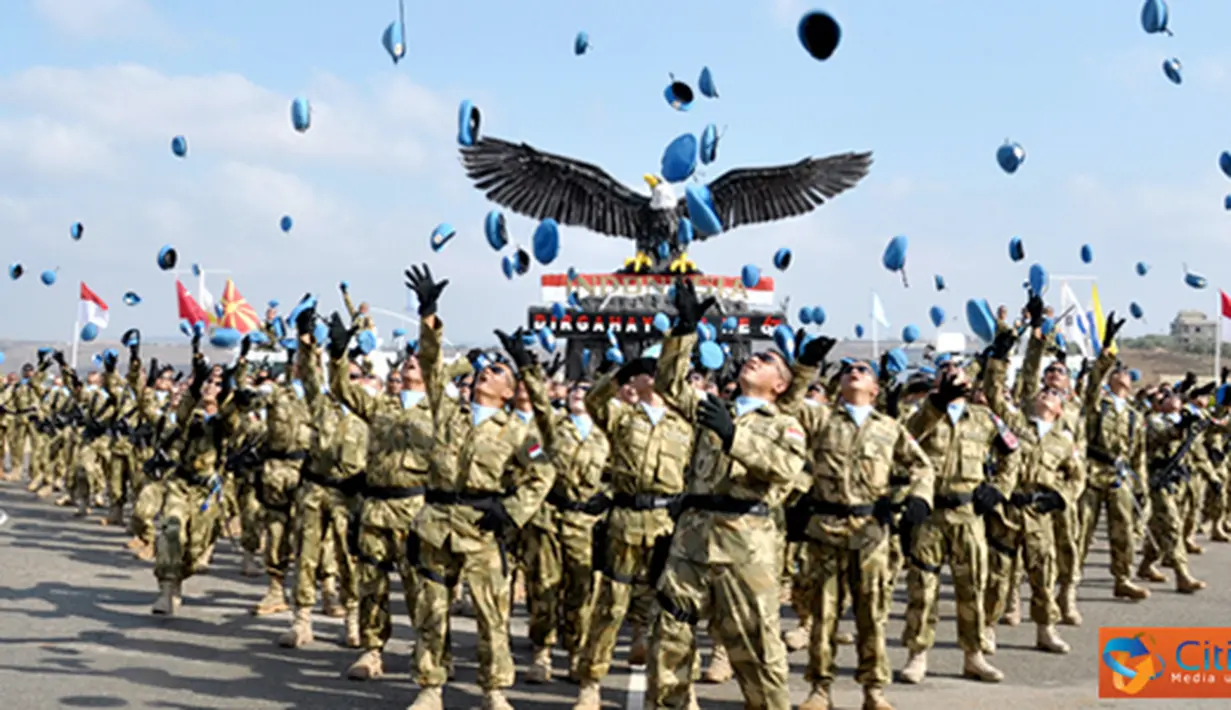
[1173, 471]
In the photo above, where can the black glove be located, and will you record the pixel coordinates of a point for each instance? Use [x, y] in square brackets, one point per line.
[419, 279]
[152, 375]
[1034, 307]
[689, 308]
[893, 400]
[1112, 328]
[554, 366]
[339, 337]
[1224, 375]
[987, 497]
[947, 391]
[1003, 344]
[343, 287]
[58, 356]
[472, 356]
[133, 337]
[1190, 381]
[607, 365]
[1188, 418]
[196, 341]
[714, 415]
[915, 511]
[814, 352]
[244, 397]
[496, 519]
[597, 505]
[109, 362]
[305, 321]
[245, 346]
[1049, 500]
[516, 347]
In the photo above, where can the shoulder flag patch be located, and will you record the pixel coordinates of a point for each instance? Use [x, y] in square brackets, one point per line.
[535, 452]
[794, 433]
[1006, 440]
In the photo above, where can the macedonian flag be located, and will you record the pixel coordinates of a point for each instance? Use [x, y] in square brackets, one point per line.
[236, 313]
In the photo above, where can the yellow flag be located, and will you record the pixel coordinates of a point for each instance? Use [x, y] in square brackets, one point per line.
[1100, 322]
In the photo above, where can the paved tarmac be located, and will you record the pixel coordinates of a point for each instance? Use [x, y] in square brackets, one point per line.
[76, 632]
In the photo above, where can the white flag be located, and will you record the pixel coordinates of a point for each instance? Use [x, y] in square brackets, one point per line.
[207, 303]
[1070, 324]
[878, 311]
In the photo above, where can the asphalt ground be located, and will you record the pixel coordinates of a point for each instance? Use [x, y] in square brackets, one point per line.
[76, 632]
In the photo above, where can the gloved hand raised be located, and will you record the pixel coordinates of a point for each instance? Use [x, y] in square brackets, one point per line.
[427, 290]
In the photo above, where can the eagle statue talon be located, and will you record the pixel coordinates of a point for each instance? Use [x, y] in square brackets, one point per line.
[639, 263]
[682, 265]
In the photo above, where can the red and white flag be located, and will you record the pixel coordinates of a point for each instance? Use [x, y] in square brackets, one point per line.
[1226, 304]
[91, 309]
[189, 309]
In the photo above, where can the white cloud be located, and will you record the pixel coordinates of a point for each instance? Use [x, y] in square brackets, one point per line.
[108, 19]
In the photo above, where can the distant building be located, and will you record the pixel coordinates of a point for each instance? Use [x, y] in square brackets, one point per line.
[1193, 327]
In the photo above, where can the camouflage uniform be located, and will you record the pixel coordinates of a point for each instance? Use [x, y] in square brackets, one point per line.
[23, 408]
[959, 442]
[359, 321]
[339, 451]
[1050, 461]
[723, 561]
[1116, 449]
[50, 456]
[469, 465]
[122, 478]
[647, 465]
[851, 464]
[94, 405]
[1164, 540]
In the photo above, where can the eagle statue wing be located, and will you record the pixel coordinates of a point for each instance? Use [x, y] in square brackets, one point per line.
[541, 185]
[756, 195]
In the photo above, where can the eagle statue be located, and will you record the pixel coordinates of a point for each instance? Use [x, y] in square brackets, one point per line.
[542, 185]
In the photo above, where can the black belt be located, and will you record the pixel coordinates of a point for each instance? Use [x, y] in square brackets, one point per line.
[562, 502]
[436, 496]
[348, 485]
[394, 493]
[726, 504]
[643, 501]
[952, 501]
[824, 507]
[286, 455]
[27, 410]
[900, 481]
[1100, 456]
[1025, 500]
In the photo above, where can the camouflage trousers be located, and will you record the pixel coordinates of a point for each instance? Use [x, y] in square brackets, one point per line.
[20, 430]
[486, 573]
[40, 459]
[323, 515]
[864, 571]
[1192, 504]
[278, 481]
[1119, 504]
[1034, 536]
[959, 540]
[249, 513]
[120, 473]
[1165, 541]
[1066, 526]
[89, 471]
[559, 579]
[379, 546]
[149, 503]
[185, 531]
[61, 453]
[624, 583]
[804, 579]
[741, 604]
[1215, 507]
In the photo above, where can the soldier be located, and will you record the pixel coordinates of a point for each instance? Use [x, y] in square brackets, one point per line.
[288, 433]
[152, 404]
[1051, 478]
[121, 464]
[722, 563]
[359, 318]
[23, 406]
[1116, 448]
[651, 445]
[92, 406]
[337, 460]
[853, 450]
[460, 532]
[960, 437]
[559, 539]
[1172, 438]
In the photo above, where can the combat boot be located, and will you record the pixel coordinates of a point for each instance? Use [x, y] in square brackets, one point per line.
[1069, 615]
[916, 668]
[977, 667]
[330, 601]
[495, 700]
[540, 667]
[64, 501]
[1193, 548]
[351, 630]
[589, 698]
[987, 641]
[115, 515]
[637, 652]
[432, 699]
[1125, 589]
[83, 508]
[844, 638]
[574, 666]
[461, 605]
[367, 667]
[44, 492]
[1218, 533]
[1149, 572]
[692, 703]
[799, 637]
[146, 553]
[135, 543]
[1185, 583]
[35, 484]
[719, 669]
[874, 699]
[168, 601]
[274, 600]
[1050, 641]
[300, 633]
[818, 699]
[251, 566]
[1013, 609]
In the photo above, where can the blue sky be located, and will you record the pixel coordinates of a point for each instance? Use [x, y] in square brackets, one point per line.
[91, 93]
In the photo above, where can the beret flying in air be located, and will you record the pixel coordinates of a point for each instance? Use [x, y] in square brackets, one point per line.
[542, 185]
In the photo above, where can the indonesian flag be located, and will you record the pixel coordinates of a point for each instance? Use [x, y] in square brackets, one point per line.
[189, 309]
[1226, 304]
[91, 309]
[237, 313]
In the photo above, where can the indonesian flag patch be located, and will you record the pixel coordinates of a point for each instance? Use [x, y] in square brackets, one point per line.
[1006, 435]
[535, 452]
[796, 434]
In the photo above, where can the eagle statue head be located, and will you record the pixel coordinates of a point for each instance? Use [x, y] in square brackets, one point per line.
[662, 197]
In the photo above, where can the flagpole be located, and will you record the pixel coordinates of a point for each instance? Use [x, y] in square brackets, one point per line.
[1218, 316]
[76, 340]
[876, 350]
